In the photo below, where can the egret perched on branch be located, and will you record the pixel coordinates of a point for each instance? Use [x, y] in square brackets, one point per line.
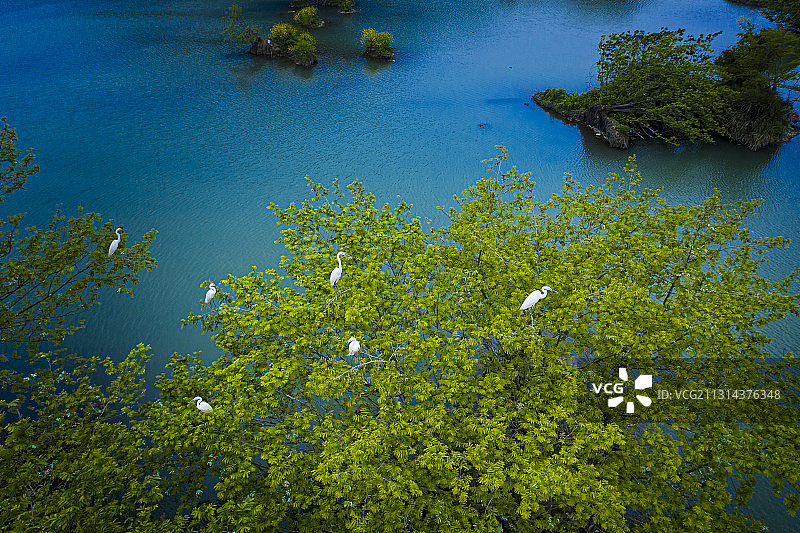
[114, 243]
[203, 406]
[336, 274]
[354, 345]
[211, 293]
[533, 298]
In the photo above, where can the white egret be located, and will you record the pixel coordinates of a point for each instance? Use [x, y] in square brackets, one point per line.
[533, 298]
[203, 406]
[114, 243]
[211, 293]
[354, 346]
[336, 274]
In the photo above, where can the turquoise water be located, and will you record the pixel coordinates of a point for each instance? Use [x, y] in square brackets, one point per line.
[140, 111]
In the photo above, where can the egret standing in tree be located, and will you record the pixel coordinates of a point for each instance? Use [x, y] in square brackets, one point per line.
[114, 243]
[533, 298]
[354, 346]
[336, 274]
[211, 293]
[203, 406]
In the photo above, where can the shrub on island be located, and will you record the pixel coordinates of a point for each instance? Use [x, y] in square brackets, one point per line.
[347, 7]
[283, 35]
[308, 18]
[758, 68]
[301, 48]
[304, 50]
[377, 44]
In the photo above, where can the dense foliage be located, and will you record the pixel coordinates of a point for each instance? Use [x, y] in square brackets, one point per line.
[669, 86]
[377, 44]
[70, 459]
[304, 50]
[761, 65]
[308, 17]
[461, 412]
[784, 12]
[283, 35]
[458, 412]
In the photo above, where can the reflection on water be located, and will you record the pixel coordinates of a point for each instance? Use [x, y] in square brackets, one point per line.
[243, 73]
[373, 67]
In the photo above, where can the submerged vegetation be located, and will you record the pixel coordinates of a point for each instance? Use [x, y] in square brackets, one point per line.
[448, 405]
[236, 29]
[669, 86]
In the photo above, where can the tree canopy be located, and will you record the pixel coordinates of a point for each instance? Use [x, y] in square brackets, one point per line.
[784, 12]
[71, 458]
[663, 84]
[462, 412]
[669, 86]
[236, 29]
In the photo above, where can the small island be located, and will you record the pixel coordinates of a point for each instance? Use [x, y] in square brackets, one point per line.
[309, 18]
[346, 7]
[377, 45]
[284, 41]
[669, 86]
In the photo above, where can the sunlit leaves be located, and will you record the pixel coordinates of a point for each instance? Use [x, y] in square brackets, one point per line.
[462, 412]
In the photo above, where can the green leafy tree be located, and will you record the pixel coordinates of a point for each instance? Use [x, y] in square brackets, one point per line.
[377, 44]
[49, 276]
[462, 412]
[755, 68]
[784, 12]
[304, 50]
[662, 85]
[236, 29]
[308, 17]
[74, 457]
[768, 58]
[283, 35]
[71, 457]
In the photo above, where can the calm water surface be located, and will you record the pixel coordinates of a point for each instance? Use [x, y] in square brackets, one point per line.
[140, 111]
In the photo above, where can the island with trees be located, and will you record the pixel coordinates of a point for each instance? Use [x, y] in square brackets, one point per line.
[284, 40]
[670, 86]
[309, 18]
[377, 45]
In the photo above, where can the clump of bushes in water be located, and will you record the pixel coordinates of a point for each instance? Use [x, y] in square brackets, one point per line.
[304, 50]
[283, 35]
[377, 45]
[347, 7]
[669, 86]
[308, 17]
[301, 48]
